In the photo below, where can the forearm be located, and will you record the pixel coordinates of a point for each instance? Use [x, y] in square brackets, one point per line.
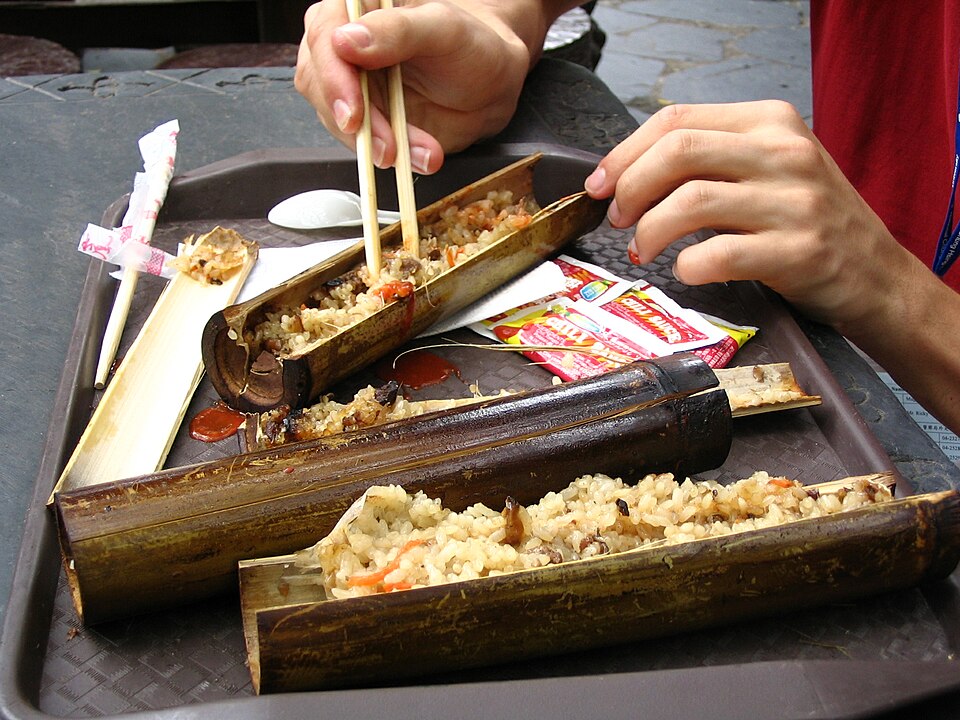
[913, 336]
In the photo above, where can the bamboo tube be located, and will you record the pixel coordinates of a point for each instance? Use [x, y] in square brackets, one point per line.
[177, 535]
[252, 381]
[134, 425]
[298, 641]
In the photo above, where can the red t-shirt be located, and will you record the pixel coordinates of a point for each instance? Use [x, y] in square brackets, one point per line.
[885, 106]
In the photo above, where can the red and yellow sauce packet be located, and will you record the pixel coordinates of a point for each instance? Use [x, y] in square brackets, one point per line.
[608, 322]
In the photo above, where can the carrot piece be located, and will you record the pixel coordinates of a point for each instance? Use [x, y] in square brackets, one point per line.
[781, 482]
[391, 587]
[391, 290]
[377, 576]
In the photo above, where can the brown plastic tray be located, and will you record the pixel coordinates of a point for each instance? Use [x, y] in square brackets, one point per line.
[838, 661]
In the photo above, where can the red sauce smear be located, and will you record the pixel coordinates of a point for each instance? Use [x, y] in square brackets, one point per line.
[418, 369]
[409, 314]
[216, 422]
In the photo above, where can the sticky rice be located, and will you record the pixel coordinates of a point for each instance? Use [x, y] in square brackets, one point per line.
[391, 540]
[458, 234]
[370, 406]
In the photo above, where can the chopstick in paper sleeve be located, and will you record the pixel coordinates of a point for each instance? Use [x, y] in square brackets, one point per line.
[159, 151]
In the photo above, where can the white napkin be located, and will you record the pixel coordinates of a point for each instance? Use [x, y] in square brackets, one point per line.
[277, 265]
[545, 279]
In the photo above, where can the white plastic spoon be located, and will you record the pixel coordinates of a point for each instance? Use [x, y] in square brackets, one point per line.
[322, 209]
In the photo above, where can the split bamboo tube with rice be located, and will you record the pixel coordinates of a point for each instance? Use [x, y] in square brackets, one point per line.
[178, 534]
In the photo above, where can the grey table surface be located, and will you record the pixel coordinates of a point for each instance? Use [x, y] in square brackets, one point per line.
[68, 148]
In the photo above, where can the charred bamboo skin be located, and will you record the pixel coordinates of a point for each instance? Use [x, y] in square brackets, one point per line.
[602, 601]
[178, 534]
[254, 384]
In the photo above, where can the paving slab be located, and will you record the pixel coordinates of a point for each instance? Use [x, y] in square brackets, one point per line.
[707, 50]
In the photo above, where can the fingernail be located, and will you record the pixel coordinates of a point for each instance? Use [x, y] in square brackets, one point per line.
[420, 159]
[633, 255]
[613, 214]
[357, 34]
[379, 148]
[594, 183]
[341, 114]
[676, 275]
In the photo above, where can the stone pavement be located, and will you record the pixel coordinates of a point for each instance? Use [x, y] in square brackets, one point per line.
[663, 51]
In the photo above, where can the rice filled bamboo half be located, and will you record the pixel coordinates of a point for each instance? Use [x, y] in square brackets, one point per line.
[291, 343]
[177, 535]
[297, 639]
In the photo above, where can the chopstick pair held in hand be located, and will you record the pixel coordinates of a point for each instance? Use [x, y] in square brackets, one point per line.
[404, 173]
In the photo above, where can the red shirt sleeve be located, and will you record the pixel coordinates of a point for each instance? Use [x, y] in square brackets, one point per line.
[885, 105]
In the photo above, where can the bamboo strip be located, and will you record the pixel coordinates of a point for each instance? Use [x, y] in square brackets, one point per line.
[134, 425]
[299, 641]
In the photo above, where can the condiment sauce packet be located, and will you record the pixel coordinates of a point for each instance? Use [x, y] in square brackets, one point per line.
[579, 281]
[570, 323]
[616, 321]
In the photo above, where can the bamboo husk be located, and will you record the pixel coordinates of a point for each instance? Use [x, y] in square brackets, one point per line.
[252, 384]
[297, 640]
[177, 535]
[756, 389]
[136, 421]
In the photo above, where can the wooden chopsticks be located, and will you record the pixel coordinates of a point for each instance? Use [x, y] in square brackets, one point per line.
[365, 166]
[404, 172]
[368, 186]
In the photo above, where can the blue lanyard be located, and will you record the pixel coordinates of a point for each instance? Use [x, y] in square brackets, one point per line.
[948, 246]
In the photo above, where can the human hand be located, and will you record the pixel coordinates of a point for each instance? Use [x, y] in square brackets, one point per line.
[784, 212]
[463, 68]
